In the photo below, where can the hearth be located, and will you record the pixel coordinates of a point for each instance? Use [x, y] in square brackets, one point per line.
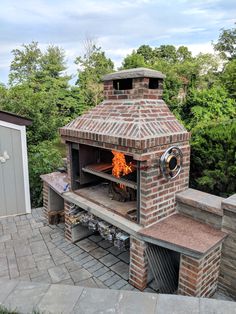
[107, 177]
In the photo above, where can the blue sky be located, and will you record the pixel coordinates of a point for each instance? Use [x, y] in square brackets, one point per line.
[117, 26]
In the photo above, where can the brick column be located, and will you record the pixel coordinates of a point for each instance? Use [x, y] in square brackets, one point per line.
[138, 270]
[199, 278]
[68, 227]
[69, 164]
[45, 200]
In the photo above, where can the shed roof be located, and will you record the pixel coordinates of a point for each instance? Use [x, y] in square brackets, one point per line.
[14, 118]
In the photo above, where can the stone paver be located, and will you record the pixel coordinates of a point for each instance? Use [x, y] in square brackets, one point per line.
[98, 253]
[121, 269]
[80, 275]
[60, 299]
[109, 260]
[25, 296]
[87, 245]
[32, 250]
[58, 273]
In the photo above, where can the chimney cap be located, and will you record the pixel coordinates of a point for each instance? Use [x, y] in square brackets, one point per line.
[133, 73]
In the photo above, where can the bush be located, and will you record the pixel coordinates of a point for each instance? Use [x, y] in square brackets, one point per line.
[43, 158]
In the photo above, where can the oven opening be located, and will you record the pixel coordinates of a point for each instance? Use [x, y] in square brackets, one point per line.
[108, 178]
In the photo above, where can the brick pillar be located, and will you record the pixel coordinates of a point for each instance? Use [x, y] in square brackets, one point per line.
[199, 278]
[138, 270]
[68, 227]
[45, 200]
[69, 164]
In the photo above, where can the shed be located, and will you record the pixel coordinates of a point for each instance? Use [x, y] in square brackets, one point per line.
[14, 178]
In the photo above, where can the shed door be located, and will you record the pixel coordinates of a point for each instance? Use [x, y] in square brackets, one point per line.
[12, 188]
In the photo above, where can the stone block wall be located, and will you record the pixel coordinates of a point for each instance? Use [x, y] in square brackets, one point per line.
[138, 271]
[201, 206]
[199, 278]
[227, 279]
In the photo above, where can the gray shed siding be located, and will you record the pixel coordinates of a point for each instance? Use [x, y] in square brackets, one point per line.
[12, 193]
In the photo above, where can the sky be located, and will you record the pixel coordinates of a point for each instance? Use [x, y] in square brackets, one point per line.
[118, 26]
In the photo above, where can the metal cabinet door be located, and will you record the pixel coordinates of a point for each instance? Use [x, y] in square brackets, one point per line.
[12, 186]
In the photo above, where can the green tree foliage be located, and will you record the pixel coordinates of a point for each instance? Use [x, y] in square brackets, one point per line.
[147, 53]
[25, 63]
[91, 67]
[166, 52]
[211, 117]
[43, 158]
[134, 60]
[229, 78]
[226, 43]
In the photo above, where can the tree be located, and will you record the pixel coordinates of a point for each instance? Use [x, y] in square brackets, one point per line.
[228, 78]
[166, 52]
[226, 43]
[134, 60]
[147, 53]
[183, 54]
[25, 63]
[91, 67]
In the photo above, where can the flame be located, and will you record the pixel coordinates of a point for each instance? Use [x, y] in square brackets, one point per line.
[120, 167]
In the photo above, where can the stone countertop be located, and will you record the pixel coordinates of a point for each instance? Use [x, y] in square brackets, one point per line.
[184, 235]
[201, 200]
[56, 180]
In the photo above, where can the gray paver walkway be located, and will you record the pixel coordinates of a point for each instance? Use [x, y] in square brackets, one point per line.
[45, 298]
[30, 249]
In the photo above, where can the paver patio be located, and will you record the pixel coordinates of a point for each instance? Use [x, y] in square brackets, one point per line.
[30, 249]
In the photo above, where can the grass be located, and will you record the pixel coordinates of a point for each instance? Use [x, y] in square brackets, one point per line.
[4, 310]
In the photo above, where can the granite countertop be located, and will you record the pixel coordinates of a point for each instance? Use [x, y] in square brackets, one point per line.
[58, 181]
[183, 234]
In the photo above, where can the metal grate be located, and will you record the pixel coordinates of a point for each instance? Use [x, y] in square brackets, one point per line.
[164, 265]
[110, 177]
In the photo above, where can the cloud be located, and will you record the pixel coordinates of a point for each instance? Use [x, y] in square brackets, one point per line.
[118, 26]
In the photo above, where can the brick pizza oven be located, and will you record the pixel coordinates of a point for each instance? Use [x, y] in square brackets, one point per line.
[127, 159]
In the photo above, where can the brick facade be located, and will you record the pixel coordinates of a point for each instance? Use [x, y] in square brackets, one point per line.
[157, 193]
[199, 278]
[138, 270]
[140, 90]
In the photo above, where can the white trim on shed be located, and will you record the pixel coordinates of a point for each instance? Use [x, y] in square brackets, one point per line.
[22, 130]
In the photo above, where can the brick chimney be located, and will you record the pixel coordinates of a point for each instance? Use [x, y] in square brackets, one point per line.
[139, 83]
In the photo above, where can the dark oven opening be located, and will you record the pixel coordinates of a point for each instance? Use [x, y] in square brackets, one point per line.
[109, 178]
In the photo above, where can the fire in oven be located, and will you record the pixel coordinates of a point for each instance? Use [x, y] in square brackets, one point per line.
[107, 177]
